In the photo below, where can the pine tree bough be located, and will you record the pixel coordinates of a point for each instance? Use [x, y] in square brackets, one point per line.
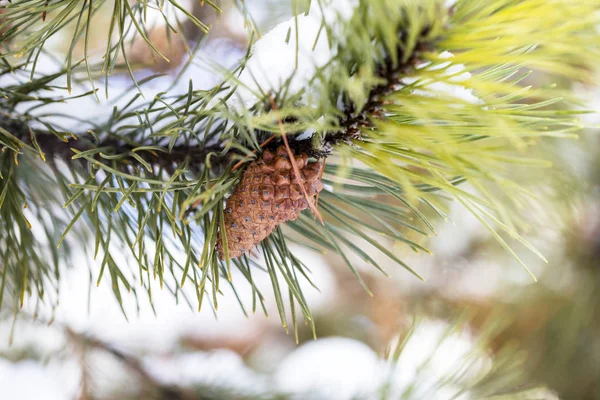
[350, 125]
[55, 148]
[415, 97]
[269, 194]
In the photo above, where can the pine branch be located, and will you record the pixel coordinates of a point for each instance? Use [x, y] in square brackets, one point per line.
[384, 92]
[388, 72]
[391, 73]
[135, 365]
[56, 148]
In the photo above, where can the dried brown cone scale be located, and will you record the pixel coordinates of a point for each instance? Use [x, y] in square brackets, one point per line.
[269, 194]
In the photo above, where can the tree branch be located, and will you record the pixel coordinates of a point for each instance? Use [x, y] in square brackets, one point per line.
[354, 120]
[350, 124]
[56, 149]
[392, 74]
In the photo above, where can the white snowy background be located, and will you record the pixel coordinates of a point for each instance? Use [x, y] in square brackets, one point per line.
[332, 367]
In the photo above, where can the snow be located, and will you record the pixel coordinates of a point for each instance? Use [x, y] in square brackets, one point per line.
[146, 333]
[273, 61]
[328, 368]
[332, 368]
[172, 321]
[220, 368]
[431, 354]
[290, 54]
[453, 71]
[337, 368]
[52, 382]
[341, 368]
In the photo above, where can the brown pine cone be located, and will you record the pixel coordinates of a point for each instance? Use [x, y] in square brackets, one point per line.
[268, 195]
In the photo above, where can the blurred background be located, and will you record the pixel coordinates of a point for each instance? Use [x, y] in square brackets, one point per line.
[478, 324]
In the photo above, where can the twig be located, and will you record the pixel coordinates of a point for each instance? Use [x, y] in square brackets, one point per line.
[351, 126]
[354, 121]
[320, 178]
[262, 146]
[293, 162]
[56, 148]
[170, 392]
[84, 371]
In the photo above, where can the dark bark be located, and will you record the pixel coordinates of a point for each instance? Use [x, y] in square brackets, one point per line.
[55, 148]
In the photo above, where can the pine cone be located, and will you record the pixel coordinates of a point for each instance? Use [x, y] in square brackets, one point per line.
[268, 195]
